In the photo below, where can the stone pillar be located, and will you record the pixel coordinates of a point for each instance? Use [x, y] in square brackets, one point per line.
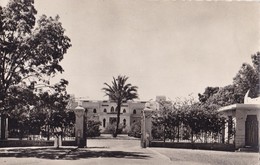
[146, 123]
[240, 129]
[57, 141]
[79, 127]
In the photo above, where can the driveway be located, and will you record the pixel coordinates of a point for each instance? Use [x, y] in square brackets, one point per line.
[117, 151]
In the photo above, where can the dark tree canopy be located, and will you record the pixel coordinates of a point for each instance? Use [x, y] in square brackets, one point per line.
[209, 91]
[30, 54]
[246, 79]
[30, 51]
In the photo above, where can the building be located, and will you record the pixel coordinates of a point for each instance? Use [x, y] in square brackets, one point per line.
[246, 118]
[106, 112]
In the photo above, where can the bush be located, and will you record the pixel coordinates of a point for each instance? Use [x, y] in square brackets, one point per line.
[157, 132]
[111, 129]
[135, 130]
[93, 128]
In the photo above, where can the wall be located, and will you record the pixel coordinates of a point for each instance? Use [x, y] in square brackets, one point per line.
[203, 146]
[28, 143]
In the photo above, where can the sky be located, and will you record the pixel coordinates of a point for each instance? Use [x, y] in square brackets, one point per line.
[165, 47]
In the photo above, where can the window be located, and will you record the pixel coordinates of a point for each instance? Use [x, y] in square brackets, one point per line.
[124, 122]
[134, 112]
[105, 110]
[104, 123]
[124, 111]
[94, 111]
[112, 109]
[134, 121]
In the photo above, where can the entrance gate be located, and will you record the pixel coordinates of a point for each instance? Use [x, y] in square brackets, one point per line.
[251, 124]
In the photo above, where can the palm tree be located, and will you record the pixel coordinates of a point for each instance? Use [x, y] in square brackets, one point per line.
[120, 92]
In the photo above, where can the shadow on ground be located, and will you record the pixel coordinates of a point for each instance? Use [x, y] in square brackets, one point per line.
[69, 153]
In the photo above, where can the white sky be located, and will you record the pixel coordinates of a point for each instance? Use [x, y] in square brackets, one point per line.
[164, 47]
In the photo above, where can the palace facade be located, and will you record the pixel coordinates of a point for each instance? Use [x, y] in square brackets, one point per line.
[106, 112]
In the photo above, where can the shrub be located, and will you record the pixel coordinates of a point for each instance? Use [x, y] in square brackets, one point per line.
[111, 129]
[93, 128]
[157, 132]
[135, 130]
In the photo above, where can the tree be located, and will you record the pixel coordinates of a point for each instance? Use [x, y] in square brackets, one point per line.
[53, 104]
[246, 79]
[256, 61]
[164, 119]
[222, 97]
[209, 91]
[30, 52]
[120, 92]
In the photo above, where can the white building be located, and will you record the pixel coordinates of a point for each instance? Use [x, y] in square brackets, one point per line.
[105, 112]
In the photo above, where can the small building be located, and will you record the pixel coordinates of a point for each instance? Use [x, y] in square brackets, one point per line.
[246, 117]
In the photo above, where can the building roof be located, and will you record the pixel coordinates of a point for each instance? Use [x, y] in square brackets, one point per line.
[240, 106]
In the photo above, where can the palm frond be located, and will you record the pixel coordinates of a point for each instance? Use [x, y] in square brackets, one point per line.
[120, 90]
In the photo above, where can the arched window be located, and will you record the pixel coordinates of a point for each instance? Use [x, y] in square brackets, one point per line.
[94, 111]
[124, 111]
[134, 112]
[124, 122]
[112, 109]
[105, 110]
[104, 123]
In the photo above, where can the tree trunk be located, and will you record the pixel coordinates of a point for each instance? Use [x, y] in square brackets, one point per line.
[192, 137]
[3, 127]
[164, 132]
[118, 119]
[48, 132]
[178, 133]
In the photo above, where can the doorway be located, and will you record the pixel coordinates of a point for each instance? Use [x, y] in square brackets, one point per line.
[251, 130]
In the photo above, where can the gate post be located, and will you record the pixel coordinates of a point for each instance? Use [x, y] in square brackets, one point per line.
[146, 123]
[79, 126]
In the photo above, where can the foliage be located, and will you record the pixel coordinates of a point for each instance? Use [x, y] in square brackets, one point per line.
[120, 92]
[135, 130]
[179, 120]
[111, 129]
[49, 109]
[256, 61]
[157, 131]
[209, 91]
[30, 53]
[93, 128]
[246, 79]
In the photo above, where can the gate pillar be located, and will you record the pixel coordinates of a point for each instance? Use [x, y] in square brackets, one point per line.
[146, 123]
[79, 126]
